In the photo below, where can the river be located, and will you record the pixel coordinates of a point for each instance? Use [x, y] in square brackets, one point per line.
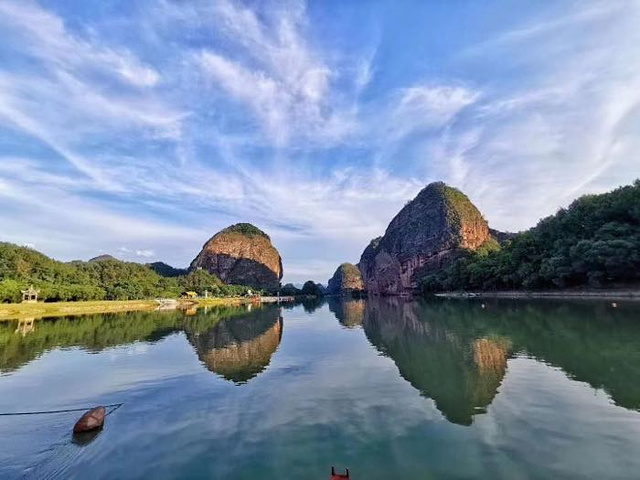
[388, 388]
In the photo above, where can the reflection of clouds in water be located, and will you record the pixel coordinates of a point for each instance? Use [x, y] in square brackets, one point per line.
[541, 402]
[137, 348]
[337, 380]
[102, 372]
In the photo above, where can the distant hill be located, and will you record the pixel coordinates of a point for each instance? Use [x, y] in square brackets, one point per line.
[165, 270]
[346, 280]
[101, 258]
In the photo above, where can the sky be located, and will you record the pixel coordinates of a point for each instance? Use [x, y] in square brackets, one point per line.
[140, 129]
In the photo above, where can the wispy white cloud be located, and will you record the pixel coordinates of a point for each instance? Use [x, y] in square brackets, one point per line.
[44, 36]
[128, 252]
[425, 107]
[281, 79]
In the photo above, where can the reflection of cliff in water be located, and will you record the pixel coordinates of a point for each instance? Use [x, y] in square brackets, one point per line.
[455, 351]
[240, 348]
[461, 373]
[21, 342]
[349, 311]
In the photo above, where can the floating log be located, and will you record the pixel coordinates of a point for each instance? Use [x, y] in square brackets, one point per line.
[338, 476]
[91, 420]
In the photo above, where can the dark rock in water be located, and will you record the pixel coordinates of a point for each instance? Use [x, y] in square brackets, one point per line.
[241, 254]
[91, 420]
[347, 280]
[424, 237]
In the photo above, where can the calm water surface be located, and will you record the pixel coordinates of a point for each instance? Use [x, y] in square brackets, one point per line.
[390, 389]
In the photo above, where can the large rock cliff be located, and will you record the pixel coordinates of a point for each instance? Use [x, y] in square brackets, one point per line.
[241, 254]
[428, 233]
[346, 280]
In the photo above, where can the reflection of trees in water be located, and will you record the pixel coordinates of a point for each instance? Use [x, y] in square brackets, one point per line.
[455, 352]
[311, 304]
[240, 348]
[97, 332]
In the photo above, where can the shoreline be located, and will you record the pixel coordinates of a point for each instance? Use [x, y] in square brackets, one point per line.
[560, 294]
[36, 311]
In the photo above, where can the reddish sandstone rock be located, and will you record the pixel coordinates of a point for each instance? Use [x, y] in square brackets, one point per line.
[424, 237]
[346, 280]
[91, 420]
[241, 254]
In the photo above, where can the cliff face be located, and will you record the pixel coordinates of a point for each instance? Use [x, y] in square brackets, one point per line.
[346, 280]
[427, 234]
[243, 255]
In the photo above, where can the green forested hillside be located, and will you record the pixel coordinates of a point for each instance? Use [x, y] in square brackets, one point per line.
[594, 242]
[103, 278]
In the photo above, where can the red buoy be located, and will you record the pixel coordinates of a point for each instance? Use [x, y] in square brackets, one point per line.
[91, 420]
[338, 476]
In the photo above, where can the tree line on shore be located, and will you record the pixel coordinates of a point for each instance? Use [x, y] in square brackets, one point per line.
[100, 279]
[594, 242]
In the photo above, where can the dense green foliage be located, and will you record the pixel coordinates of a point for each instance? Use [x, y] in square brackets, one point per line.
[312, 288]
[100, 279]
[290, 290]
[460, 209]
[165, 270]
[245, 229]
[595, 242]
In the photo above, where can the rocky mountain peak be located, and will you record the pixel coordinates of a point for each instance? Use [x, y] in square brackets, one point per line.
[425, 235]
[241, 254]
[346, 280]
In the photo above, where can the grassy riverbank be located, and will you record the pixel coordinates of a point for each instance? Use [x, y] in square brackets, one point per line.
[12, 311]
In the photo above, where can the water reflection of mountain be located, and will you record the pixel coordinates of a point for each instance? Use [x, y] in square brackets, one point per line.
[348, 311]
[19, 345]
[460, 372]
[240, 348]
[455, 352]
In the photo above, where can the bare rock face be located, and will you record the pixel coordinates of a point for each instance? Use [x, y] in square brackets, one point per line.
[425, 236]
[242, 255]
[346, 280]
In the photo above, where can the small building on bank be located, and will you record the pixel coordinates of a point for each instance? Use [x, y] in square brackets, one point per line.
[30, 295]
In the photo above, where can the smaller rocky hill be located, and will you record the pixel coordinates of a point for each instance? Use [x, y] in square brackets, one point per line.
[347, 280]
[241, 254]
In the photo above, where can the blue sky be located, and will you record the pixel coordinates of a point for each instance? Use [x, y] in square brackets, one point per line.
[141, 128]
